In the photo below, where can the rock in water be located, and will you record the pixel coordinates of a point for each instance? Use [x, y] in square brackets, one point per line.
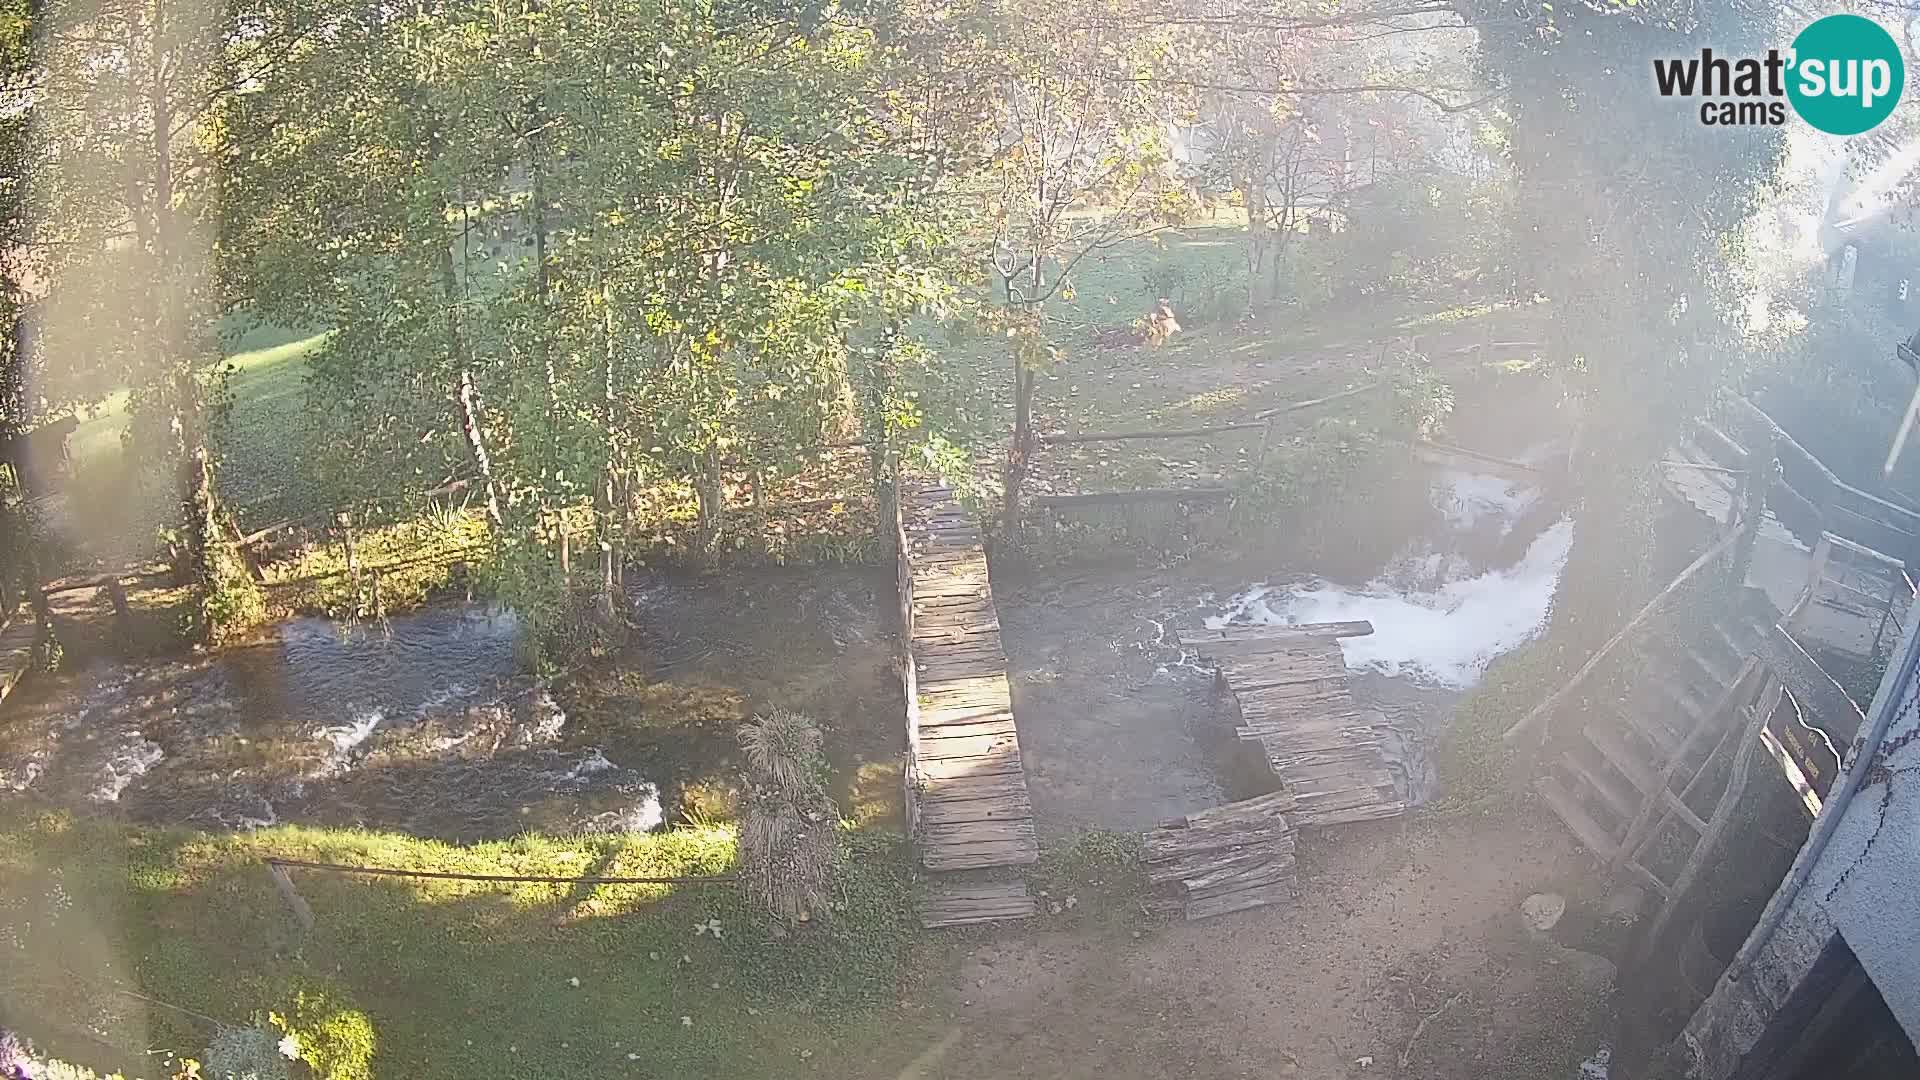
[1543, 910]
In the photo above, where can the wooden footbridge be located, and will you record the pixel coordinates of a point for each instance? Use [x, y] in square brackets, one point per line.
[966, 790]
[1299, 716]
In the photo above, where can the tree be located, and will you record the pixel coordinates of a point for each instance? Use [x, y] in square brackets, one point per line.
[122, 213]
[725, 208]
[1080, 163]
[1640, 258]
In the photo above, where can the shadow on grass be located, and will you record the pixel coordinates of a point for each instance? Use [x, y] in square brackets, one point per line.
[142, 938]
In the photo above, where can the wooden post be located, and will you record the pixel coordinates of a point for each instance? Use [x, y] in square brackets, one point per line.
[1816, 569]
[1751, 510]
[283, 881]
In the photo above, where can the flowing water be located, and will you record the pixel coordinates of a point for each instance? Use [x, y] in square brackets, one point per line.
[1119, 726]
[1475, 584]
[424, 724]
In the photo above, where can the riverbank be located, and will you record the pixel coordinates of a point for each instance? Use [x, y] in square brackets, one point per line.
[121, 939]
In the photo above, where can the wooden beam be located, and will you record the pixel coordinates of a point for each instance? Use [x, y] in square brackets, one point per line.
[1106, 498]
[1721, 713]
[1545, 708]
[1716, 829]
[1123, 436]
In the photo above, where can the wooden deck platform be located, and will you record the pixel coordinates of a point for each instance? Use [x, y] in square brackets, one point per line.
[1296, 709]
[1228, 858]
[966, 791]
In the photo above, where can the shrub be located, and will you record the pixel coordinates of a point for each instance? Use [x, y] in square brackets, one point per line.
[789, 843]
[337, 1042]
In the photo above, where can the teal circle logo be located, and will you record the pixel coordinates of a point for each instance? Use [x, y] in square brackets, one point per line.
[1845, 74]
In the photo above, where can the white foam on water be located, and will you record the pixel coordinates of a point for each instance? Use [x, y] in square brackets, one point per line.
[1446, 635]
[1596, 1066]
[594, 762]
[246, 822]
[643, 816]
[126, 764]
[448, 695]
[545, 722]
[344, 737]
[1467, 499]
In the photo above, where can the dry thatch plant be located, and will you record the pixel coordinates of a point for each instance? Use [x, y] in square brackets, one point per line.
[783, 750]
[789, 842]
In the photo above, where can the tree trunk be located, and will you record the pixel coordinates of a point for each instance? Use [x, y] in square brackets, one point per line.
[609, 548]
[710, 488]
[1019, 454]
[202, 533]
[470, 426]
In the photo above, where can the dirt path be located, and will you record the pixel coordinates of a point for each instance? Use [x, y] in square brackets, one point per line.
[1392, 927]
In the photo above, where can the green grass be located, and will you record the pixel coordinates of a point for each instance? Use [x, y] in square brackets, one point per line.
[260, 454]
[102, 922]
[412, 561]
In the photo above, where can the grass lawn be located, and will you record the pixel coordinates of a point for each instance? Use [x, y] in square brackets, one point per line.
[122, 939]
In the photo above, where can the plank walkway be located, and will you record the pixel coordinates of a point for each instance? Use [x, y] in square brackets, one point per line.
[1297, 710]
[1227, 858]
[966, 791]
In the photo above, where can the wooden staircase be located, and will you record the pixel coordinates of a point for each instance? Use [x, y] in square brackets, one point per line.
[1627, 780]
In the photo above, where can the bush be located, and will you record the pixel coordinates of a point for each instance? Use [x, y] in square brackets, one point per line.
[1409, 233]
[789, 847]
[336, 1042]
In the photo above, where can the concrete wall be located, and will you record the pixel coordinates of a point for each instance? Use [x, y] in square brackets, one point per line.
[1865, 887]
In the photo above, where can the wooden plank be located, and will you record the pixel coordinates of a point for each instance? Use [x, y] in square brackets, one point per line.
[967, 729]
[983, 786]
[1277, 893]
[1308, 804]
[962, 768]
[957, 904]
[1171, 845]
[1260, 635]
[980, 856]
[1210, 865]
[975, 810]
[1630, 764]
[963, 718]
[1264, 870]
[1351, 815]
[1588, 831]
[990, 831]
[965, 746]
[1274, 804]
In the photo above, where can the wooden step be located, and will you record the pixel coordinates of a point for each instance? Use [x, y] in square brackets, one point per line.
[1648, 721]
[1692, 700]
[1730, 642]
[1631, 765]
[1569, 810]
[1713, 672]
[956, 903]
[1617, 796]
